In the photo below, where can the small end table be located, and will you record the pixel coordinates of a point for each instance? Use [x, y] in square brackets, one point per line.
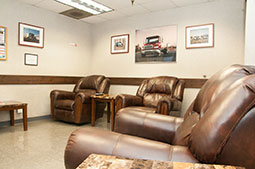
[14, 105]
[110, 100]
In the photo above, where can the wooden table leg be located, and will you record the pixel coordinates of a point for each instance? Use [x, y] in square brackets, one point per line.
[25, 117]
[112, 114]
[12, 117]
[108, 111]
[93, 111]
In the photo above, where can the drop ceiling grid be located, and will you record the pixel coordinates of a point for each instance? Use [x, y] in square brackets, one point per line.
[122, 8]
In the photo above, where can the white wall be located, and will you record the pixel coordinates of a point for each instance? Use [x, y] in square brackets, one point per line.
[228, 17]
[57, 57]
[249, 33]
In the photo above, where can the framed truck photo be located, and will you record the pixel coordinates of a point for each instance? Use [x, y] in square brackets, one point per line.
[120, 44]
[155, 45]
[200, 36]
[31, 35]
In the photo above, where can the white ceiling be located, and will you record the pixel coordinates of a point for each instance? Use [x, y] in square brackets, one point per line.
[121, 8]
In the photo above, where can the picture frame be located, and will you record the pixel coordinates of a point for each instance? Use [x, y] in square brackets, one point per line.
[31, 59]
[120, 44]
[156, 44]
[3, 43]
[199, 36]
[31, 35]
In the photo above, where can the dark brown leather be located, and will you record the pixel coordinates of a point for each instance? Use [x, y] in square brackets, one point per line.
[221, 130]
[144, 123]
[209, 92]
[81, 145]
[162, 93]
[75, 107]
[213, 130]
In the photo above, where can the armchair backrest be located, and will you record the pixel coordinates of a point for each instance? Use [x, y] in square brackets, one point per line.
[225, 133]
[154, 89]
[210, 91]
[219, 125]
[93, 84]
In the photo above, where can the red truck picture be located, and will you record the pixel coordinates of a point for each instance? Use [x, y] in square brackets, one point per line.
[153, 47]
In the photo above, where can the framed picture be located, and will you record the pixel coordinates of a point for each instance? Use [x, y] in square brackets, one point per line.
[120, 44]
[156, 45]
[31, 59]
[3, 43]
[200, 36]
[30, 35]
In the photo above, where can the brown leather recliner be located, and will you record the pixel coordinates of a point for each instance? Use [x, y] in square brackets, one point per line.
[162, 95]
[75, 107]
[217, 128]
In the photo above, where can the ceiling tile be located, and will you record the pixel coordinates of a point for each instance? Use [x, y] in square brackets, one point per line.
[32, 2]
[94, 19]
[115, 4]
[53, 6]
[158, 5]
[134, 10]
[181, 3]
[112, 15]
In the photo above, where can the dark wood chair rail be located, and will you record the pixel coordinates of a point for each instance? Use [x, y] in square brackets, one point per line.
[37, 79]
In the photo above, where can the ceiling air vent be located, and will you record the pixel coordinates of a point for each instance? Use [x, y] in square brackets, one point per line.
[76, 13]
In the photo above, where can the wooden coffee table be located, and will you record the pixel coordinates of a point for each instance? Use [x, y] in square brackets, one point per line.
[14, 105]
[110, 108]
[113, 162]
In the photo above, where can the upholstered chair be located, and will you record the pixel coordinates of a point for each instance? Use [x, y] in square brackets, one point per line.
[218, 128]
[162, 95]
[75, 106]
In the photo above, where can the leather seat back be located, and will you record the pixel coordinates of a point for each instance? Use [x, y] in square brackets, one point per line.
[91, 84]
[214, 131]
[154, 89]
[210, 91]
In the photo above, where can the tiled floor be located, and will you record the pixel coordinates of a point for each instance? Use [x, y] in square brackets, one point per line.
[41, 147]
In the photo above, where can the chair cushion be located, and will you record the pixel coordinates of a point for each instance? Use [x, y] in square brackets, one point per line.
[65, 104]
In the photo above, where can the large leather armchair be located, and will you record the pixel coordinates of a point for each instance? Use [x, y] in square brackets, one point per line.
[217, 128]
[75, 107]
[162, 95]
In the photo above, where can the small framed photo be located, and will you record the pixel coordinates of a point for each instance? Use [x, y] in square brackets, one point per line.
[120, 44]
[30, 35]
[200, 36]
[3, 43]
[31, 59]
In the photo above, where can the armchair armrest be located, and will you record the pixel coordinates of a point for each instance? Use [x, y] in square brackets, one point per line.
[164, 106]
[56, 95]
[126, 100]
[60, 94]
[147, 125]
[84, 98]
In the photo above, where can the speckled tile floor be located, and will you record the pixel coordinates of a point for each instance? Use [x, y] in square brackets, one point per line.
[41, 147]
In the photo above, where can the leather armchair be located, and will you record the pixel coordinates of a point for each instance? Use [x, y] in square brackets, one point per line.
[75, 107]
[162, 95]
[217, 128]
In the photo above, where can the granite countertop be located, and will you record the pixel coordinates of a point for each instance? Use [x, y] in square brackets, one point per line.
[96, 161]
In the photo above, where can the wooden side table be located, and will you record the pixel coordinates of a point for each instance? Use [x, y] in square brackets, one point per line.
[14, 105]
[110, 108]
[114, 162]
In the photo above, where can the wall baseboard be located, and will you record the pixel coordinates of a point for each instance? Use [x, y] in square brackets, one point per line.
[7, 123]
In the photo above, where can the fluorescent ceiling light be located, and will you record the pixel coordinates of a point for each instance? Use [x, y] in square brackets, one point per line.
[86, 5]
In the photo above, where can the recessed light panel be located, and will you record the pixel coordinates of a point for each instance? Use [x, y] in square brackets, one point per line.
[86, 5]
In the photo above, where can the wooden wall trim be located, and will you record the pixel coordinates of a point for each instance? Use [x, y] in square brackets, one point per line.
[133, 81]
[30, 79]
